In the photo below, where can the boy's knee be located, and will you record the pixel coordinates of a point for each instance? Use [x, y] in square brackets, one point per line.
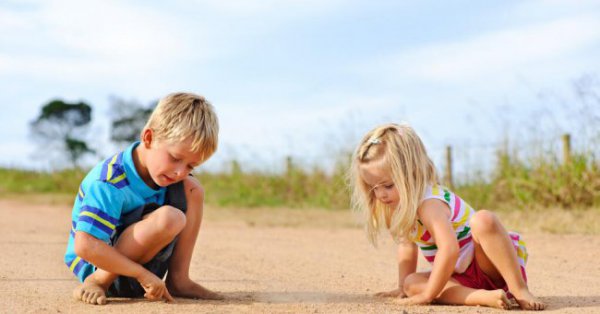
[483, 221]
[170, 219]
[194, 192]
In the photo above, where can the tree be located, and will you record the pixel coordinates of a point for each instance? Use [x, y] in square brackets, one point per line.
[128, 118]
[63, 125]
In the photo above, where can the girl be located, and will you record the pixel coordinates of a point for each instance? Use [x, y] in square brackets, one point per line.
[475, 261]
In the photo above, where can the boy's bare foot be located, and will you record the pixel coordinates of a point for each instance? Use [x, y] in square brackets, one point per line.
[527, 301]
[90, 292]
[497, 299]
[190, 289]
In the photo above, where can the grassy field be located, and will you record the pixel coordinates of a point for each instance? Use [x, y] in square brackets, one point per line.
[534, 194]
[513, 184]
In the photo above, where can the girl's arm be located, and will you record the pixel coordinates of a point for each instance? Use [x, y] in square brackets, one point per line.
[435, 216]
[407, 264]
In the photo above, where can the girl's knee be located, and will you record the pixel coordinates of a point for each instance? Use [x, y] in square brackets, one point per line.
[170, 219]
[412, 284]
[483, 221]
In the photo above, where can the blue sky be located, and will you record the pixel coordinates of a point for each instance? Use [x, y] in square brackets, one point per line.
[301, 78]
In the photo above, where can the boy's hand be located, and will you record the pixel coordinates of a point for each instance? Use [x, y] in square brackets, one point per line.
[396, 293]
[155, 288]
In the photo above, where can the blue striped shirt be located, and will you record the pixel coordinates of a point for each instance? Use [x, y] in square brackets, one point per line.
[110, 190]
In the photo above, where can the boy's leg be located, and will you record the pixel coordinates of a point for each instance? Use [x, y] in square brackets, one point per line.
[139, 242]
[178, 279]
[455, 293]
[497, 257]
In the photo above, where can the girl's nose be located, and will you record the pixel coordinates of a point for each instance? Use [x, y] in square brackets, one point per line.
[380, 194]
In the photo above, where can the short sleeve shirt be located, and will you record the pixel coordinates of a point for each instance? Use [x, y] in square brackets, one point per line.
[110, 190]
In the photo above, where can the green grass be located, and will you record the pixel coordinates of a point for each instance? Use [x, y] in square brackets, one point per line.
[536, 182]
[295, 188]
[15, 181]
[514, 184]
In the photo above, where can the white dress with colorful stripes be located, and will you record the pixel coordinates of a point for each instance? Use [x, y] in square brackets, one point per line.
[461, 212]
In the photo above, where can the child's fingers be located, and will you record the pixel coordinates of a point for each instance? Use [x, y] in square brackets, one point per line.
[150, 289]
[168, 296]
[149, 296]
[152, 294]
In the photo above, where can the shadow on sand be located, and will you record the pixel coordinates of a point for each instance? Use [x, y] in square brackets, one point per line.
[247, 297]
[563, 301]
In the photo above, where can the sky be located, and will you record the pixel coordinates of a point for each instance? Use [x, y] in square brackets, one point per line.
[302, 78]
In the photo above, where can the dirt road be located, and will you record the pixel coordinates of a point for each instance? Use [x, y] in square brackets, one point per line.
[295, 268]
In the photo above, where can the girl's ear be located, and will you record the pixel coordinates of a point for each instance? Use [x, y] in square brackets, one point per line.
[147, 138]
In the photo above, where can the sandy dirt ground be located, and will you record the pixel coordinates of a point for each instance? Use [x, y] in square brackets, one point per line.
[311, 266]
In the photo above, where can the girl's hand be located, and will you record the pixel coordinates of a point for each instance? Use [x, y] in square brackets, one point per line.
[417, 299]
[396, 293]
[155, 288]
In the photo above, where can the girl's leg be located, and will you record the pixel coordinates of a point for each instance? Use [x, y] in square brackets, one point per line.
[140, 242]
[455, 293]
[178, 278]
[497, 257]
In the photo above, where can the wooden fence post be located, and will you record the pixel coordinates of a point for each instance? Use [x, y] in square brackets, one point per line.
[448, 170]
[566, 143]
[289, 165]
[236, 169]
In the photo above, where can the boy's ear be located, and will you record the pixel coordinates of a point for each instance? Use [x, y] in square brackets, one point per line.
[147, 137]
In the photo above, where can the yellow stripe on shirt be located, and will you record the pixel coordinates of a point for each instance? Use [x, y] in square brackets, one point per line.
[75, 261]
[99, 219]
[435, 190]
[464, 217]
[110, 166]
[117, 179]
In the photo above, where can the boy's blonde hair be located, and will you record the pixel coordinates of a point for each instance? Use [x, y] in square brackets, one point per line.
[398, 149]
[182, 116]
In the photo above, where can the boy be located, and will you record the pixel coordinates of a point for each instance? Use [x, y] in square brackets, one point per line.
[138, 213]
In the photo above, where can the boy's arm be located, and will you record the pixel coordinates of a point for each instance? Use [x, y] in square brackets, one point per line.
[105, 256]
[435, 216]
[407, 264]
[98, 217]
[110, 259]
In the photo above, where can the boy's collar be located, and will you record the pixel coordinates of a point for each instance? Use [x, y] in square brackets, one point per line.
[135, 180]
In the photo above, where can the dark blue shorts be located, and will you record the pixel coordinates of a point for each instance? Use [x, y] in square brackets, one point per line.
[129, 287]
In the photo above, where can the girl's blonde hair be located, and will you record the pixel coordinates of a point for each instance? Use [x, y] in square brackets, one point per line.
[398, 149]
[182, 116]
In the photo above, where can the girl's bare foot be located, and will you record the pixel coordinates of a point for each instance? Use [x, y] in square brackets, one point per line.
[497, 299]
[90, 292]
[527, 301]
[190, 289]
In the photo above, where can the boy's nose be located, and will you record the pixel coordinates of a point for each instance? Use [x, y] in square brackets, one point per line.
[179, 171]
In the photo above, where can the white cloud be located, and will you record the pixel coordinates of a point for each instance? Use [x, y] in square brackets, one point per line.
[110, 29]
[507, 51]
[272, 8]
[95, 40]
[306, 127]
[16, 153]
[542, 8]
